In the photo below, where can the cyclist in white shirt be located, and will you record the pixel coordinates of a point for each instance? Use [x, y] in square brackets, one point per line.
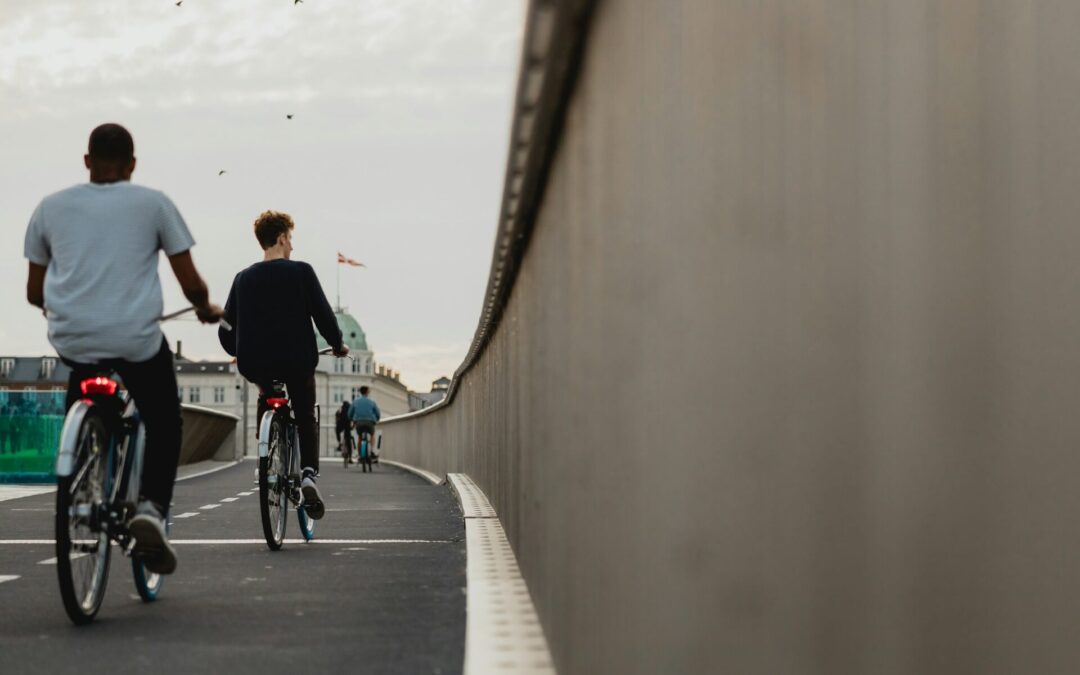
[93, 252]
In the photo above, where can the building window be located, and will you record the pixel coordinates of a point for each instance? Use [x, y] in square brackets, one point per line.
[6, 366]
[338, 395]
[339, 365]
[180, 393]
[357, 366]
[219, 394]
[48, 365]
[193, 395]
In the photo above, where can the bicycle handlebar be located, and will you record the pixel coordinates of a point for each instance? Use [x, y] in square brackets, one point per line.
[330, 350]
[180, 312]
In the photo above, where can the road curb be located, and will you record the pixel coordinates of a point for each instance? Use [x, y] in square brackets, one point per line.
[502, 631]
[426, 475]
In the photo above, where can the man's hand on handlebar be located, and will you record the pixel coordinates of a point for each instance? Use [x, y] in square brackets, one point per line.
[209, 313]
[344, 351]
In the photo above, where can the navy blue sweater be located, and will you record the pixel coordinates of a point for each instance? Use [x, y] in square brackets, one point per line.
[271, 306]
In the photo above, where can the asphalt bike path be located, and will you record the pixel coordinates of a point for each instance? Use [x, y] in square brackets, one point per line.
[380, 590]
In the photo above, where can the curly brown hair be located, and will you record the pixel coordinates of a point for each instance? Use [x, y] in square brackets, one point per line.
[270, 225]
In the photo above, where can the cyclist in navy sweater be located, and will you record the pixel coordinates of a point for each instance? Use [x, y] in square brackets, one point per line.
[271, 306]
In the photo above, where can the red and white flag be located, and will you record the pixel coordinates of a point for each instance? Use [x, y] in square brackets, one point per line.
[349, 261]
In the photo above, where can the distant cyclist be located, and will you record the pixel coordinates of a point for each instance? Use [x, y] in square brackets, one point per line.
[342, 425]
[271, 306]
[364, 413]
[93, 252]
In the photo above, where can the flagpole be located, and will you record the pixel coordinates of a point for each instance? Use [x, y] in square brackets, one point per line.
[337, 264]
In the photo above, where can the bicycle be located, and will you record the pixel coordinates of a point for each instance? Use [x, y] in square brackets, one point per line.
[347, 448]
[99, 471]
[279, 468]
[363, 454]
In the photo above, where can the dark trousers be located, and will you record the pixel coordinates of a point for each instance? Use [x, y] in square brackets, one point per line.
[152, 384]
[301, 390]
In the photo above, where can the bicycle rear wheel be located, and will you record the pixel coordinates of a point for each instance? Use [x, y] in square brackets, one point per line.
[307, 524]
[147, 583]
[82, 544]
[273, 486]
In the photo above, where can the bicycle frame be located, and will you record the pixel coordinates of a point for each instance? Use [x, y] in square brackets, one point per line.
[127, 448]
[293, 458]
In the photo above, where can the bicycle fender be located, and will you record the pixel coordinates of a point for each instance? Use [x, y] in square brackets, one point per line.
[264, 433]
[69, 437]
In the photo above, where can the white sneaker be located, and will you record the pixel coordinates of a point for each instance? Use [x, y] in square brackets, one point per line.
[313, 503]
[147, 528]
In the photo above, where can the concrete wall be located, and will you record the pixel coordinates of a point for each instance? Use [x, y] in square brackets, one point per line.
[208, 434]
[789, 376]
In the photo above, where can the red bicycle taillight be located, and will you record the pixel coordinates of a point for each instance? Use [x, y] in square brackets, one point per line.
[276, 403]
[98, 385]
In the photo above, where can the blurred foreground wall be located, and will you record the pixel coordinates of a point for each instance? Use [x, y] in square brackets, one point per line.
[788, 376]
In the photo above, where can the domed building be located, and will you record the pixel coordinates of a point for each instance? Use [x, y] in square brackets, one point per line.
[340, 380]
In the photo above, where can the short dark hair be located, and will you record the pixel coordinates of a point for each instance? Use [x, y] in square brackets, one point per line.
[270, 225]
[364, 390]
[112, 143]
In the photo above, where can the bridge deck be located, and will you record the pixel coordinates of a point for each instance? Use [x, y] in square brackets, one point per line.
[382, 592]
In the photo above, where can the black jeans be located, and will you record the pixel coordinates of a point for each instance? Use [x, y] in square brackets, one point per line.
[301, 391]
[152, 384]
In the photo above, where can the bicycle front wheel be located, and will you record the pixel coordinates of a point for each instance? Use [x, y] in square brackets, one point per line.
[273, 486]
[82, 543]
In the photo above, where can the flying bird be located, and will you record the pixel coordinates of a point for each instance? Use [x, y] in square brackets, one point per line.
[297, 2]
[288, 116]
[179, 2]
[221, 172]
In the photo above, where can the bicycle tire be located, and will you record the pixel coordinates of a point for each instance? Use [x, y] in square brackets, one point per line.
[307, 524]
[78, 498]
[148, 584]
[273, 502]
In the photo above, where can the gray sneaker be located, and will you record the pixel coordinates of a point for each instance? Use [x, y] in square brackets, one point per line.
[147, 528]
[313, 503]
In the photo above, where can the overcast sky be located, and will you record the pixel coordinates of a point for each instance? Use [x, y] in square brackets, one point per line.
[395, 154]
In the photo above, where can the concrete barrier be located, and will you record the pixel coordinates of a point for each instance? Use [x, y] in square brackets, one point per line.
[208, 434]
[779, 360]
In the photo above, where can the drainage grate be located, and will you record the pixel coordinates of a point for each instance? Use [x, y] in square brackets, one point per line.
[473, 501]
[502, 632]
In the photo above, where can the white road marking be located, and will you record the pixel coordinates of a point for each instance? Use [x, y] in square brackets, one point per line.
[230, 499]
[244, 494]
[233, 542]
[186, 515]
[207, 507]
[52, 561]
[8, 577]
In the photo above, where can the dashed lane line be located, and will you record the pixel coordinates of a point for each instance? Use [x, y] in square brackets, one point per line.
[52, 561]
[230, 499]
[207, 507]
[186, 515]
[8, 577]
[244, 494]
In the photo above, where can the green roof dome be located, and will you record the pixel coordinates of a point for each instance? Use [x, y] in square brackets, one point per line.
[350, 330]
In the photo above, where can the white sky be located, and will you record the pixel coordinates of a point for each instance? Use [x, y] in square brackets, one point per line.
[395, 155]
